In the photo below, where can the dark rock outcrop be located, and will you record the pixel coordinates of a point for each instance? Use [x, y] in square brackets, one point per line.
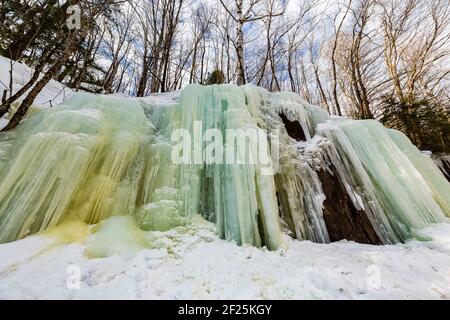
[342, 218]
[293, 128]
[445, 168]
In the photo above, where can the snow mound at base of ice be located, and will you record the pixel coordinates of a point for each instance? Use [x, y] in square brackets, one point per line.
[191, 262]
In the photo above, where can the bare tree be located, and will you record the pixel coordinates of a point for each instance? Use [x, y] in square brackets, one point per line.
[416, 39]
[201, 21]
[357, 55]
[118, 43]
[69, 41]
[337, 31]
[416, 52]
[244, 14]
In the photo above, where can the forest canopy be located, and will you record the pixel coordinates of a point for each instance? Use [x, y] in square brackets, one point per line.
[388, 60]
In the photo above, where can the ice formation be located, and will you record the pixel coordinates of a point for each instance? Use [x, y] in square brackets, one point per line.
[94, 157]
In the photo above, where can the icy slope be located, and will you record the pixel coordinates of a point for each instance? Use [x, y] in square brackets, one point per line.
[191, 262]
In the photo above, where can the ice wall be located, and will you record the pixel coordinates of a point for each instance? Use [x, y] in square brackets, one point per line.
[97, 156]
[401, 187]
[76, 161]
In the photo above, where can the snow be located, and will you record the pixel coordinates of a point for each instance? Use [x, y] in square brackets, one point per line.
[163, 99]
[191, 262]
[53, 93]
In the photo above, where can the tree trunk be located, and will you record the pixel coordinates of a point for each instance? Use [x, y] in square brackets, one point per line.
[37, 71]
[107, 85]
[291, 76]
[54, 69]
[240, 71]
[154, 86]
[321, 90]
[144, 76]
[304, 86]
[193, 66]
[26, 103]
[333, 62]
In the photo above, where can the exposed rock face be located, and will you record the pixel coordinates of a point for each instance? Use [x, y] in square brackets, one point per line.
[293, 128]
[343, 220]
[446, 166]
[443, 163]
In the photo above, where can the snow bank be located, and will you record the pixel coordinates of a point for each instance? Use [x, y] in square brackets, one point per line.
[53, 93]
[191, 262]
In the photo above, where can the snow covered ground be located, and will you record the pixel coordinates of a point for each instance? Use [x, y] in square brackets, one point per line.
[191, 262]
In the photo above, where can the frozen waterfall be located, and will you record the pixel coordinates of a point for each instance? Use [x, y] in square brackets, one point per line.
[94, 156]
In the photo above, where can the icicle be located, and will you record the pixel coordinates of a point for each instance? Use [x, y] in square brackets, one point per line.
[237, 203]
[406, 199]
[299, 190]
[425, 166]
[72, 161]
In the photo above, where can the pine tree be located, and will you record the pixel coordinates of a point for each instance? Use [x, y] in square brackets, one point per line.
[216, 77]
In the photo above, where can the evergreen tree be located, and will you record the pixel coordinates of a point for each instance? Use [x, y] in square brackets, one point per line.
[216, 77]
[425, 122]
